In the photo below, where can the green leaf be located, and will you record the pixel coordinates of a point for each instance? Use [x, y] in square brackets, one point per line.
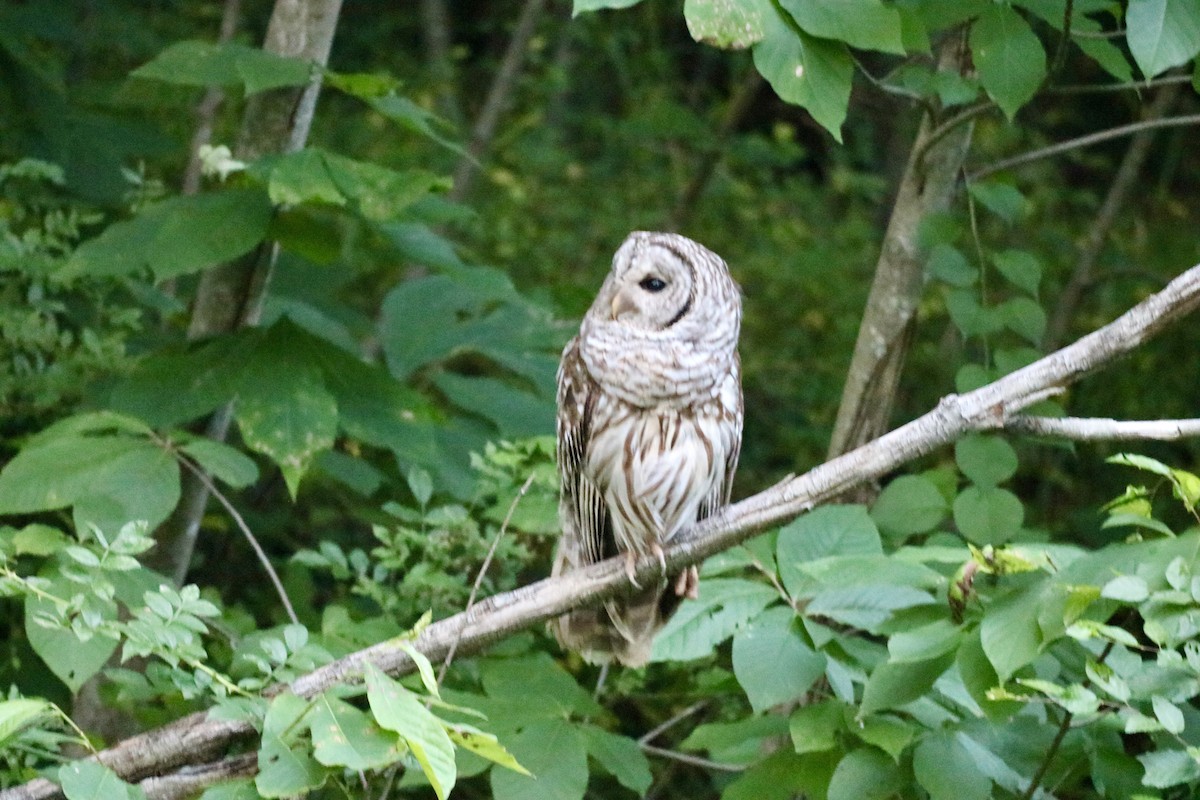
[59, 469]
[1169, 768]
[924, 642]
[969, 316]
[814, 728]
[825, 531]
[177, 236]
[1008, 56]
[225, 463]
[772, 662]
[783, 775]
[1109, 681]
[909, 505]
[730, 25]
[949, 265]
[988, 515]
[620, 757]
[1162, 33]
[979, 677]
[944, 768]
[1010, 633]
[484, 745]
[556, 753]
[73, 661]
[865, 607]
[284, 410]
[87, 780]
[582, 6]
[809, 72]
[864, 24]
[1002, 199]
[1021, 268]
[195, 63]
[1168, 714]
[986, 460]
[1126, 588]
[864, 774]
[399, 710]
[1024, 317]
[517, 679]
[890, 734]
[344, 736]
[700, 625]
[284, 770]
[17, 713]
[893, 684]
[740, 742]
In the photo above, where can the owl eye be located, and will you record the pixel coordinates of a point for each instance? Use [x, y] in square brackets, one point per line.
[652, 284]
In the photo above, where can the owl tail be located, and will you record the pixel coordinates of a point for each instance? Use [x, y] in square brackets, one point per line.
[623, 629]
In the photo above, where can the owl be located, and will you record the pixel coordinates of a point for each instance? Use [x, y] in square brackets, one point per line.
[649, 430]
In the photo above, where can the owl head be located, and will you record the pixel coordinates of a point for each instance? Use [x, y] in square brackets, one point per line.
[660, 280]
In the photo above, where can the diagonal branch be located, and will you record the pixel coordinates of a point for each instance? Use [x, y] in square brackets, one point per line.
[195, 738]
[1090, 429]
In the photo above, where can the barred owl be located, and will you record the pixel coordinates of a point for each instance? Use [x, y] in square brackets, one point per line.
[649, 430]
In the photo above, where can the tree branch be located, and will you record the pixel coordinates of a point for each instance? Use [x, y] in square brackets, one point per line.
[195, 738]
[1082, 141]
[1092, 429]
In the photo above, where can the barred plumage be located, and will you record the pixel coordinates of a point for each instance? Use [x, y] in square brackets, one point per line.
[649, 428]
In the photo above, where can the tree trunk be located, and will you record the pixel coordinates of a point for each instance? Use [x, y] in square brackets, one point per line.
[887, 326]
[230, 295]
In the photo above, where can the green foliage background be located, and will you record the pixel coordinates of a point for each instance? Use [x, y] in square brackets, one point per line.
[991, 626]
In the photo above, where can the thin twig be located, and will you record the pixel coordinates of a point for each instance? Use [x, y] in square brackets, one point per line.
[695, 761]
[245, 529]
[1061, 734]
[1135, 86]
[1083, 141]
[942, 131]
[487, 562]
[658, 730]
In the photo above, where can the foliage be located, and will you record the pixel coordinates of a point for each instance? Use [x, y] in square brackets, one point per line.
[977, 631]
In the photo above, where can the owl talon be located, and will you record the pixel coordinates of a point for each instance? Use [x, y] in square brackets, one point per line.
[631, 568]
[657, 550]
[688, 584]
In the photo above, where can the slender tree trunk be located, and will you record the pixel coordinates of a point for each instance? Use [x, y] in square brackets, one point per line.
[230, 295]
[888, 322]
[498, 97]
[206, 111]
[435, 25]
[1119, 193]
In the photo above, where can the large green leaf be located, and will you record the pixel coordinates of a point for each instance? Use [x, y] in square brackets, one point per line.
[177, 236]
[823, 532]
[19, 712]
[399, 710]
[987, 514]
[1009, 57]
[197, 63]
[72, 660]
[1162, 33]
[865, 607]
[908, 505]
[733, 25]
[1010, 633]
[700, 625]
[947, 771]
[986, 460]
[865, 24]
[555, 752]
[772, 662]
[514, 680]
[619, 756]
[895, 683]
[132, 477]
[342, 735]
[810, 72]
[864, 774]
[87, 780]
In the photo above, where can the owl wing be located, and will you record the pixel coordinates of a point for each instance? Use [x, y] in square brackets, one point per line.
[731, 411]
[582, 510]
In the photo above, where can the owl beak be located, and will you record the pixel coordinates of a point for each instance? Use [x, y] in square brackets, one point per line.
[622, 303]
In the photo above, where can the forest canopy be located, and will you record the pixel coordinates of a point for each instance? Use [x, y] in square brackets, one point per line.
[283, 291]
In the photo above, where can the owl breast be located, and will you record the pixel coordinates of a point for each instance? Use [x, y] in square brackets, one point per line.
[656, 466]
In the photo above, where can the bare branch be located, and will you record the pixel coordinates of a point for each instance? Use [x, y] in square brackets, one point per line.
[195, 738]
[695, 761]
[1094, 429]
[1082, 141]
